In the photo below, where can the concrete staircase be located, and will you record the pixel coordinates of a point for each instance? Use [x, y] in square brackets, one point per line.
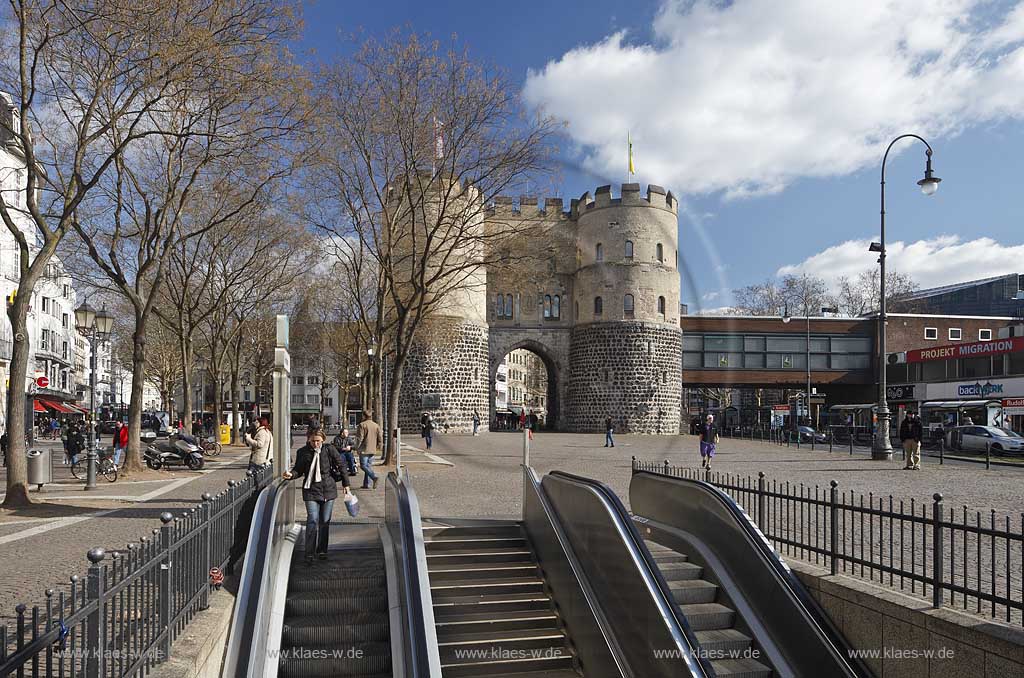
[713, 622]
[492, 612]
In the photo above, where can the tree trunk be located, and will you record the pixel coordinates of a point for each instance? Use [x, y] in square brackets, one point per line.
[236, 424]
[17, 402]
[218, 401]
[133, 455]
[394, 388]
[186, 384]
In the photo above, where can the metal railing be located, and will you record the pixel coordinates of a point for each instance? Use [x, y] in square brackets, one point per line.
[121, 619]
[953, 556]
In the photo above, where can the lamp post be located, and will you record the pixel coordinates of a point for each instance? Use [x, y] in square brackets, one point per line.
[95, 326]
[881, 447]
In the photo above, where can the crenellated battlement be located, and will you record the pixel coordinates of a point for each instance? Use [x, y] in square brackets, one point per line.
[629, 194]
[527, 206]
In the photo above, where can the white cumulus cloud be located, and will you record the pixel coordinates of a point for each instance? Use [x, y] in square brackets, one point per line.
[747, 96]
[944, 260]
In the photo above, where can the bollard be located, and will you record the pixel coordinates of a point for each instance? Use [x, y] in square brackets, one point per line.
[831, 437]
[988, 455]
[398, 448]
[666, 467]
[526, 446]
[851, 444]
[942, 450]
[812, 440]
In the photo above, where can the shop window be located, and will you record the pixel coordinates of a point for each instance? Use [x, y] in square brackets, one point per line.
[955, 334]
[984, 335]
[931, 333]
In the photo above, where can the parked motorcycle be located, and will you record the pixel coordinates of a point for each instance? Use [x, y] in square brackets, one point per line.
[176, 450]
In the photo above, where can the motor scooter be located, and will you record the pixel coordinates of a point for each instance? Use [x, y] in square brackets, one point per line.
[176, 450]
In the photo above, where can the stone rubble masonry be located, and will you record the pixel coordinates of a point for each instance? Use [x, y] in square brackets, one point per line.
[448, 360]
[628, 370]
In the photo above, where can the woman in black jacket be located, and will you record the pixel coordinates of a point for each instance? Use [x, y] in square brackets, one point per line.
[315, 461]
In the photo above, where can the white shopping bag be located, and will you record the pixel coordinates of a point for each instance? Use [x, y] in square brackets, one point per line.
[352, 504]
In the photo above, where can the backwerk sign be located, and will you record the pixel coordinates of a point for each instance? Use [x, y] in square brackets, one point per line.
[971, 350]
[979, 390]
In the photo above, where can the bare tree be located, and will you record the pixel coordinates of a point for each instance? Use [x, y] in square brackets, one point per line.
[859, 296]
[88, 83]
[798, 295]
[416, 143]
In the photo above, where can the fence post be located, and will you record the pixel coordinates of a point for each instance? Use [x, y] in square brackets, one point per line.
[206, 510]
[937, 550]
[833, 519]
[96, 627]
[165, 584]
[942, 450]
[231, 491]
[831, 437]
[851, 443]
[761, 501]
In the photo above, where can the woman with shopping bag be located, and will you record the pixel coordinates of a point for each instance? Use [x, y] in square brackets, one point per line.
[322, 467]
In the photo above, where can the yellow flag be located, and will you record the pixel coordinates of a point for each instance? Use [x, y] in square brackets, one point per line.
[629, 143]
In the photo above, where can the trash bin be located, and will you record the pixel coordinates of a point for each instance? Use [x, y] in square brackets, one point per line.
[225, 434]
[39, 469]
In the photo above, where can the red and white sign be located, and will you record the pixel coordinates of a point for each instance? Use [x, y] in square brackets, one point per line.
[42, 382]
[780, 408]
[1013, 406]
[970, 350]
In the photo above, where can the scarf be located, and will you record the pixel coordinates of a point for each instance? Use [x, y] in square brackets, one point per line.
[313, 474]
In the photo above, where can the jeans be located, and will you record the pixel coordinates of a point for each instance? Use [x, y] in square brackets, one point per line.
[608, 440]
[350, 462]
[118, 451]
[476, 427]
[318, 524]
[428, 436]
[366, 463]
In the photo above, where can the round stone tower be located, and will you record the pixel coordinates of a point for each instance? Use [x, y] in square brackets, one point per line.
[446, 371]
[626, 347]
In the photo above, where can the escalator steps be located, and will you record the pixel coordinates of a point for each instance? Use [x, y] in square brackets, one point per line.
[331, 604]
[331, 660]
[362, 626]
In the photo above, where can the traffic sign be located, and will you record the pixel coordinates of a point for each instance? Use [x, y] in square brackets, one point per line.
[42, 382]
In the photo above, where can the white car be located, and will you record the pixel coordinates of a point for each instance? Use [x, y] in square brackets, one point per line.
[978, 438]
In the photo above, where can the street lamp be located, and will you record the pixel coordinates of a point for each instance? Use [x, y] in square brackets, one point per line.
[95, 326]
[881, 447]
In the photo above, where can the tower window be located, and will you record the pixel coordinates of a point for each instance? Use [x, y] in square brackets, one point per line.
[508, 305]
[660, 252]
[577, 305]
[499, 305]
[629, 249]
[627, 306]
[547, 306]
[598, 306]
[556, 307]
[661, 307]
[599, 252]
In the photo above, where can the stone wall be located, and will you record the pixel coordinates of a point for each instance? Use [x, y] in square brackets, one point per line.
[448, 360]
[628, 370]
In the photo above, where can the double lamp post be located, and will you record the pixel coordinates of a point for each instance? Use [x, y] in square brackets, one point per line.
[94, 326]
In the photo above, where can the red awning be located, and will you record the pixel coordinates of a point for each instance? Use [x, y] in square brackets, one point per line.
[37, 406]
[55, 405]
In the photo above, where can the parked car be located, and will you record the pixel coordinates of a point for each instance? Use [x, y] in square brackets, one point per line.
[978, 438]
[107, 426]
[807, 433]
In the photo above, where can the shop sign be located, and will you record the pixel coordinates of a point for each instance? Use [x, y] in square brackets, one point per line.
[979, 390]
[969, 350]
[902, 392]
[1013, 406]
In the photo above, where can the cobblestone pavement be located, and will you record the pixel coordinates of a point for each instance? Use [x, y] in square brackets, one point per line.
[40, 553]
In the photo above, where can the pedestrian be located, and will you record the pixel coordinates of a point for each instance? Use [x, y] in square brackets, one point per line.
[321, 466]
[3, 447]
[609, 428]
[116, 440]
[371, 441]
[65, 432]
[708, 441]
[911, 433]
[522, 420]
[76, 441]
[476, 422]
[345, 443]
[427, 429]
[260, 442]
[54, 428]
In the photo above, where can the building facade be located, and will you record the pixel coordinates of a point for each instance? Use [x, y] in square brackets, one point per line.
[997, 296]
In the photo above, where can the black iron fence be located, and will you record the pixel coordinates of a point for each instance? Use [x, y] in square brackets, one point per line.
[953, 556]
[121, 619]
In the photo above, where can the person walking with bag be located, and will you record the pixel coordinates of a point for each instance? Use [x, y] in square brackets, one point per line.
[427, 429]
[322, 468]
[260, 442]
[371, 441]
[609, 428]
[911, 433]
[708, 441]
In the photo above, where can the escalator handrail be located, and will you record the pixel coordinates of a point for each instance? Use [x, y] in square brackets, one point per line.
[645, 561]
[419, 632]
[821, 624]
[251, 601]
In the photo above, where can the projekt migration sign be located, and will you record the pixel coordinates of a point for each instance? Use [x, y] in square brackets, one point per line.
[971, 350]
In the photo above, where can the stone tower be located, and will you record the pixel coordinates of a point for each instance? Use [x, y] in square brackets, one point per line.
[626, 346]
[446, 371]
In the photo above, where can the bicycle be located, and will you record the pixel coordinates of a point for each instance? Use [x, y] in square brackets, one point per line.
[105, 466]
[211, 448]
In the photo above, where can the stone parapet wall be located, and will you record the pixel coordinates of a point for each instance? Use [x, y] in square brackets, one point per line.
[628, 370]
[448, 360]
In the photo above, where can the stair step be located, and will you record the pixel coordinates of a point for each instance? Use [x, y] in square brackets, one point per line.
[505, 607]
[489, 667]
[708, 616]
[331, 660]
[480, 588]
[454, 532]
[679, 571]
[509, 622]
[488, 543]
[523, 648]
[478, 556]
[492, 571]
[505, 638]
[723, 640]
[740, 668]
[690, 591]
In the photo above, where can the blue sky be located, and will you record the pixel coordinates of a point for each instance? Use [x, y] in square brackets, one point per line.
[769, 119]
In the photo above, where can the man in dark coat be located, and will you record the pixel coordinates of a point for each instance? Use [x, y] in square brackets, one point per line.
[708, 441]
[911, 433]
[314, 461]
